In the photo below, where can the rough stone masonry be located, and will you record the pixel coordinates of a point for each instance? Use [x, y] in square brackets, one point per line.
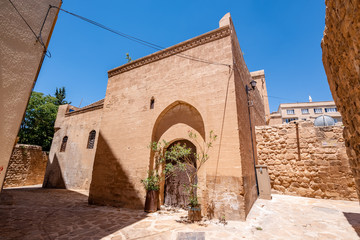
[26, 166]
[341, 58]
[305, 160]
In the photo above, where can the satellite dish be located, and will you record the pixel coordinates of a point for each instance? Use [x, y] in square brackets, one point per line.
[324, 120]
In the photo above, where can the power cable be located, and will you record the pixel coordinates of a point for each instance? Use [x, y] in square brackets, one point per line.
[38, 38]
[138, 40]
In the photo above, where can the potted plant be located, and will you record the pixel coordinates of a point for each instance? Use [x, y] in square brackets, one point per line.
[152, 186]
[191, 163]
[152, 182]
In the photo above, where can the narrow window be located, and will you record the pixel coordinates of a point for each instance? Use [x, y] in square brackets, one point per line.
[63, 144]
[152, 103]
[91, 140]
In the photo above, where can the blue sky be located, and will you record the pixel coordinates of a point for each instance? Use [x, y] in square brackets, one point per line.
[282, 37]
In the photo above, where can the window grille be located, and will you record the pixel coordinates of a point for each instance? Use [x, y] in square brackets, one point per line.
[290, 111]
[330, 110]
[63, 144]
[305, 111]
[91, 140]
[317, 110]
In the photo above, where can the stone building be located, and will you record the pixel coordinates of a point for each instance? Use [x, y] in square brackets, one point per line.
[288, 112]
[21, 55]
[341, 58]
[197, 85]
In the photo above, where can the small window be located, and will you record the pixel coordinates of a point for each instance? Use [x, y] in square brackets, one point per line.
[290, 111]
[287, 120]
[305, 111]
[317, 110]
[63, 144]
[152, 103]
[91, 140]
[330, 110]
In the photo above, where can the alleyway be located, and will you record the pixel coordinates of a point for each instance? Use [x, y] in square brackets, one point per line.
[35, 213]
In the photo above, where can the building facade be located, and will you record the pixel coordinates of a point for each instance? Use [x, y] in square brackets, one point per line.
[161, 97]
[288, 112]
[23, 48]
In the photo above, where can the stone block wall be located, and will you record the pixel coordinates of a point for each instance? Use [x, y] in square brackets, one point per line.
[26, 166]
[341, 58]
[305, 160]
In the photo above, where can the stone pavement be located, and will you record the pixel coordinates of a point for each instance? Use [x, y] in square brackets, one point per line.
[35, 213]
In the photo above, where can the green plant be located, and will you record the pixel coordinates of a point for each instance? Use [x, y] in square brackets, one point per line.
[189, 162]
[258, 228]
[152, 182]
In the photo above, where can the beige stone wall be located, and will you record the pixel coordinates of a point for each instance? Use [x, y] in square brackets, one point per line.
[306, 161]
[72, 168]
[189, 95]
[21, 56]
[341, 58]
[26, 166]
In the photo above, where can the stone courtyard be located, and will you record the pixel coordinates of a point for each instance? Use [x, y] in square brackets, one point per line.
[36, 213]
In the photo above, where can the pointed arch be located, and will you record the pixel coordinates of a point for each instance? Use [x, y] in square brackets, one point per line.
[178, 112]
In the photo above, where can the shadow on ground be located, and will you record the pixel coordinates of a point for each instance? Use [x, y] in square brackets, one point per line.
[354, 220]
[36, 213]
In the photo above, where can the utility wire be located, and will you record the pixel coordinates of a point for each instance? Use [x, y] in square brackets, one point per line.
[38, 38]
[138, 40]
[293, 100]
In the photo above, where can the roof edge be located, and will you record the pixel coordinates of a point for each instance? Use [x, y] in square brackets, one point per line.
[173, 50]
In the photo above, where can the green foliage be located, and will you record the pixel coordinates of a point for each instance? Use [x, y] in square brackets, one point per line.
[180, 158]
[184, 160]
[38, 125]
[128, 58]
[152, 182]
[60, 95]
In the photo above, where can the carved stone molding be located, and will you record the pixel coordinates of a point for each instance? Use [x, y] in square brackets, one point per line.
[178, 48]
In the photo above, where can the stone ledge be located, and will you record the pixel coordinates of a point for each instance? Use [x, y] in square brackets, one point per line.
[181, 47]
[84, 110]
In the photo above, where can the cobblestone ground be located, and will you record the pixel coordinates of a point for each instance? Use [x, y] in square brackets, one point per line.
[35, 213]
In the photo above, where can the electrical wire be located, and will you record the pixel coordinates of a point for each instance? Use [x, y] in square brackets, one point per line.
[38, 38]
[138, 40]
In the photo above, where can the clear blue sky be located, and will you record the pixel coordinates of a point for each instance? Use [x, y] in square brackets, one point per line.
[280, 36]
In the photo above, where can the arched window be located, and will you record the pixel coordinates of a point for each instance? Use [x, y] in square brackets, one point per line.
[91, 140]
[63, 144]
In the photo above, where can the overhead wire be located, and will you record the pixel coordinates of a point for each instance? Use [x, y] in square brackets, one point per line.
[38, 38]
[138, 40]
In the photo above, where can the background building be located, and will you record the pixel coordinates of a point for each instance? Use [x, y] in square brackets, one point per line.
[288, 112]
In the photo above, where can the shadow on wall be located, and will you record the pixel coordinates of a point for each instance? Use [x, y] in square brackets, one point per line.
[60, 213]
[53, 175]
[110, 184]
[354, 220]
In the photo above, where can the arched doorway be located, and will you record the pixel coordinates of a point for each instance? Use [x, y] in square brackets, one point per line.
[175, 193]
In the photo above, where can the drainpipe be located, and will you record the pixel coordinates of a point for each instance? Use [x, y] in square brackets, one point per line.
[251, 135]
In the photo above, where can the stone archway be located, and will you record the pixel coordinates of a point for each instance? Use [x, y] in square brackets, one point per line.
[175, 193]
[174, 122]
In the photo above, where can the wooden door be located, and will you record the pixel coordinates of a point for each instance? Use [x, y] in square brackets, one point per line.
[175, 193]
